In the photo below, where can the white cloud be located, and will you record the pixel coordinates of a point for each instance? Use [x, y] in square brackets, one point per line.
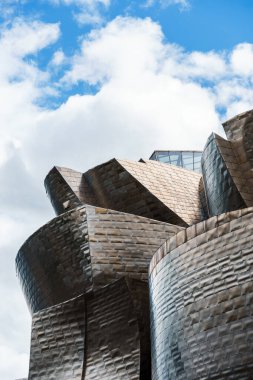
[138, 101]
[8, 7]
[86, 11]
[122, 49]
[92, 11]
[27, 38]
[210, 65]
[184, 4]
[21, 84]
[10, 361]
[152, 95]
[19, 41]
[242, 59]
[58, 58]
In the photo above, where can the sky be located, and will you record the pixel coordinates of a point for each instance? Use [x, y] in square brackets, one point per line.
[83, 81]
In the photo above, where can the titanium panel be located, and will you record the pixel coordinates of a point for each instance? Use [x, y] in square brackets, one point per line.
[58, 341]
[62, 195]
[201, 301]
[54, 265]
[221, 193]
[103, 334]
[86, 247]
[147, 188]
[239, 131]
[118, 345]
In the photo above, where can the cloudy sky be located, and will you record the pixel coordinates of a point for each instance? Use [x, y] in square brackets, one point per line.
[82, 81]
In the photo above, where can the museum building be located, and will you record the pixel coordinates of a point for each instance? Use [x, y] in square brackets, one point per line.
[146, 272]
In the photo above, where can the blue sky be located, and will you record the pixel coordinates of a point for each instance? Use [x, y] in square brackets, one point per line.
[203, 25]
[194, 25]
[83, 81]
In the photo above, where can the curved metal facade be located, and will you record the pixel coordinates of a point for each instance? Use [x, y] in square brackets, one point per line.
[85, 248]
[221, 191]
[99, 335]
[202, 291]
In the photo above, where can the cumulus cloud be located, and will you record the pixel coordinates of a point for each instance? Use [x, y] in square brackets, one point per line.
[150, 94]
[241, 59]
[21, 84]
[138, 100]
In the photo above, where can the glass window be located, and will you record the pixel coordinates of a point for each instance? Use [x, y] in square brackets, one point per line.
[197, 161]
[175, 158]
[187, 159]
[163, 157]
[153, 157]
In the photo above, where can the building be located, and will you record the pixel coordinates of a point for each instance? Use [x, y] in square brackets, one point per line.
[126, 233]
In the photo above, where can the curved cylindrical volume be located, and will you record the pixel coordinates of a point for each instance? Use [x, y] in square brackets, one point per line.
[61, 194]
[54, 263]
[201, 301]
[101, 334]
[87, 246]
[58, 341]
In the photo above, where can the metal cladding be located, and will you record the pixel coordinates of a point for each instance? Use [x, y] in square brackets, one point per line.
[99, 335]
[85, 273]
[202, 292]
[221, 191]
[58, 341]
[84, 248]
[148, 188]
[227, 166]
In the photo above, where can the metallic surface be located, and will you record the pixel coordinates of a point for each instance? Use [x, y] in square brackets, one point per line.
[221, 191]
[151, 189]
[58, 341]
[86, 247]
[239, 131]
[103, 334]
[202, 291]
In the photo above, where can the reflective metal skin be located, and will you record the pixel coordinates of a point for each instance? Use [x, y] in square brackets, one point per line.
[148, 188]
[84, 248]
[84, 276]
[86, 280]
[201, 311]
[221, 191]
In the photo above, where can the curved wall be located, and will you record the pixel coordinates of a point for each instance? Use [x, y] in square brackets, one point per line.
[58, 342]
[62, 196]
[86, 247]
[54, 263]
[201, 301]
[221, 192]
[103, 334]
